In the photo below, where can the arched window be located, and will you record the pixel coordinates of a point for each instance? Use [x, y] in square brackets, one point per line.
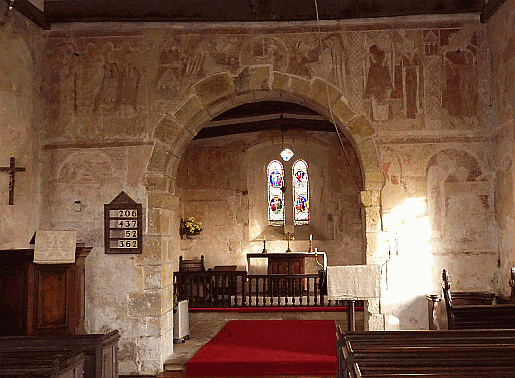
[275, 173]
[300, 193]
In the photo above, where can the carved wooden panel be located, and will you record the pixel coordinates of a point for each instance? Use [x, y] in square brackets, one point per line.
[41, 299]
[52, 297]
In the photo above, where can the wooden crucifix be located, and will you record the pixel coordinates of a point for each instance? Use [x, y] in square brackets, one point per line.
[12, 169]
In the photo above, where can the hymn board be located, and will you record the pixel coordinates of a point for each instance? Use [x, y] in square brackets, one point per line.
[123, 225]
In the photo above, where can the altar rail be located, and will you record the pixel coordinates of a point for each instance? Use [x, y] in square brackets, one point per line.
[213, 289]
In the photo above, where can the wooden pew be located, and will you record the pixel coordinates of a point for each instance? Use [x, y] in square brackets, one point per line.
[42, 364]
[474, 353]
[100, 350]
[477, 310]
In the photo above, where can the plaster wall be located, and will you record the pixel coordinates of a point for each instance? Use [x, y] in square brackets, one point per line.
[122, 103]
[21, 46]
[223, 182]
[501, 41]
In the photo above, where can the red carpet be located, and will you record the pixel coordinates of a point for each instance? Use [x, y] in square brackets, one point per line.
[268, 347]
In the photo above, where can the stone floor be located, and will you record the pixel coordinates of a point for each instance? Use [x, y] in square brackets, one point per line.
[204, 326]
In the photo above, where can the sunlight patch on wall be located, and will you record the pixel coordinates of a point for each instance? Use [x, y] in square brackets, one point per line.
[407, 271]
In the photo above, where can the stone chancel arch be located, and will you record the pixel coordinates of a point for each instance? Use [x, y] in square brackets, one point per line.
[218, 93]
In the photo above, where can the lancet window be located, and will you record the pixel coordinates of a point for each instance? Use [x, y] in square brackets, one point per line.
[275, 173]
[300, 193]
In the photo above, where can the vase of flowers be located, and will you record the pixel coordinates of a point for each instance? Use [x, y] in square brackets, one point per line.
[190, 228]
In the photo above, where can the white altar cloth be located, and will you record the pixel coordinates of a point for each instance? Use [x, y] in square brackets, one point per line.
[353, 282]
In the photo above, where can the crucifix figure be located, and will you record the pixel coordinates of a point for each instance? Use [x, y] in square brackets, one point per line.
[12, 169]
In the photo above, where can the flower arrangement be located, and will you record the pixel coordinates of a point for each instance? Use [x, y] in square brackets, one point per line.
[190, 227]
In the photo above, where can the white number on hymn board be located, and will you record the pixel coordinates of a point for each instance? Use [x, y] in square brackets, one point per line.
[127, 244]
[121, 213]
[123, 223]
[123, 234]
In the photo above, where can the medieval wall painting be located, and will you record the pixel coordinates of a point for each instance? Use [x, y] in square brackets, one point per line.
[459, 199]
[459, 51]
[503, 67]
[181, 63]
[394, 75]
[417, 76]
[120, 81]
[94, 77]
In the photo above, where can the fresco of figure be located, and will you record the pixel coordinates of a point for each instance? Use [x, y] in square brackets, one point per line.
[412, 79]
[461, 96]
[379, 83]
[110, 92]
[131, 81]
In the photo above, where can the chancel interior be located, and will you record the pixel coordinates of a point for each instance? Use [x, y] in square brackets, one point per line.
[125, 124]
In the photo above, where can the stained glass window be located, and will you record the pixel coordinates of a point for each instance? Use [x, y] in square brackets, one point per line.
[275, 174]
[300, 193]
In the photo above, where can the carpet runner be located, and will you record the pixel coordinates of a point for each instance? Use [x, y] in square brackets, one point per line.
[267, 348]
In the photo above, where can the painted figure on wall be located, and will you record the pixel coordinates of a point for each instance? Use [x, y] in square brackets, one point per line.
[131, 81]
[456, 195]
[92, 74]
[171, 65]
[378, 85]
[179, 65]
[328, 63]
[110, 92]
[265, 50]
[411, 79]
[460, 96]
[63, 82]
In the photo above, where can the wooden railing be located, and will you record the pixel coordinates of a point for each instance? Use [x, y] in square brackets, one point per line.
[239, 289]
[284, 290]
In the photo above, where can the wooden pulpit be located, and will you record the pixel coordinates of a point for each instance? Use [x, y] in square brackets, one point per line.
[41, 299]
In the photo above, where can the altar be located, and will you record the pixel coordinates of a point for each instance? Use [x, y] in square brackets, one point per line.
[286, 263]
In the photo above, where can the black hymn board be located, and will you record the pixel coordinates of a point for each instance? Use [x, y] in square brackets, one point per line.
[123, 225]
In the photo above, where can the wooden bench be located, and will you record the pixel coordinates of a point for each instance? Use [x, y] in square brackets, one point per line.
[100, 350]
[474, 353]
[42, 364]
[473, 310]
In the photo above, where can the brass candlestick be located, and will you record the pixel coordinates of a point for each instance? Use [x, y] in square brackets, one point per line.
[264, 247]
[289, 238]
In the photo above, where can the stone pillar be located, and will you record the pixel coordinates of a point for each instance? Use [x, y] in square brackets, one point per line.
[371, 201]
[153, 305]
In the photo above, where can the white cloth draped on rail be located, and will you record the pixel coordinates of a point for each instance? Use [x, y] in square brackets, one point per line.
[353, 282]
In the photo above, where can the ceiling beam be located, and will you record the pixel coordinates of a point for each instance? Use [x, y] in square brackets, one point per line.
[247, 10]
[282, 124]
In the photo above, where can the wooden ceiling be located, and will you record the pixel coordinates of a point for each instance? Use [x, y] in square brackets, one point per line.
[242, 10]
[248, 10]
[265, 116]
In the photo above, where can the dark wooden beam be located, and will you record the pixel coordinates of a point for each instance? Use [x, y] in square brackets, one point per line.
[260, 126]
[490, 9]
[31, 12]
[265, 107]
[249, 10]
